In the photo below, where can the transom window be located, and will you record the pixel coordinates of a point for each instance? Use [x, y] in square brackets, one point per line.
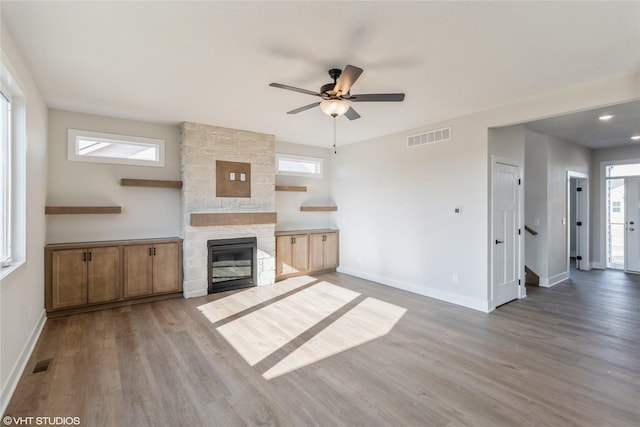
[289, 164]
[88, 146]
[629, 169]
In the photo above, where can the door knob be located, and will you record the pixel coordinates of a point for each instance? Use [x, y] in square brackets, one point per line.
[631, 229]
[499, 241]
[630, 222]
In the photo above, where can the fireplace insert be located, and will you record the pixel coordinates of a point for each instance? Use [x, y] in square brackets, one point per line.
[232, 263]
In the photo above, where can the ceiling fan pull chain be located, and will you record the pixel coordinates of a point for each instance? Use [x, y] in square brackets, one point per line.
[335, 151]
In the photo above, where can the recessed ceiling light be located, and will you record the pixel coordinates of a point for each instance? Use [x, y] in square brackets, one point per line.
[606, 117]
[636, 137]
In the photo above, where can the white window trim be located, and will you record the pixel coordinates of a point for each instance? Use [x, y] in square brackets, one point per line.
[13, 88]
[318, 160]
[7, 184]
[73, 135]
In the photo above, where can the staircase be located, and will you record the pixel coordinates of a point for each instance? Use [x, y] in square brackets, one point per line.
[530, 277]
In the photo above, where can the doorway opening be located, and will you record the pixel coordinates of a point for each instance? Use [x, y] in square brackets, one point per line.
[578, 213]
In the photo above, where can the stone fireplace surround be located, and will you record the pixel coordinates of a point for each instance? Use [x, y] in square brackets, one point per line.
[201, 146]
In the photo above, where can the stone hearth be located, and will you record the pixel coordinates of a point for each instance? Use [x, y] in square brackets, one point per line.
[201, 146]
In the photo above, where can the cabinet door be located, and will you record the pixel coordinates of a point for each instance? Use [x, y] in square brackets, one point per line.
[300, 260]
[138, 264]
[316, 252]
[166, 268]
[68, 278]
[284, 255]
[103, 274]
[331, 250]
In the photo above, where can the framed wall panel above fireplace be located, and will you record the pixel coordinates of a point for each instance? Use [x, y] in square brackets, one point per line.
[233, 179]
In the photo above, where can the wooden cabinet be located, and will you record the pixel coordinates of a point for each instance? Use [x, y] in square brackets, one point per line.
[292, 254]
[104, 279]
[87, 276]
[151, 269]
[323, 251]
[305, 251]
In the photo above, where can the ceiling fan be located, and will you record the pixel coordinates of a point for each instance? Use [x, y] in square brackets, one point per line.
[336, 96]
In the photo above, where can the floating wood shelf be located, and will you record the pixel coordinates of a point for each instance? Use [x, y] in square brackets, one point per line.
[240, 218]
[318, 208]
[72, 210]
[129, 182]
[290, 188]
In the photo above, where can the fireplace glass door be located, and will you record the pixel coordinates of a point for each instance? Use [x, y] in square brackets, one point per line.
[231, 264]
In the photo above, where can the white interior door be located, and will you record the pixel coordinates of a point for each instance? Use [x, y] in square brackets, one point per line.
[632, 232]
[505, 239]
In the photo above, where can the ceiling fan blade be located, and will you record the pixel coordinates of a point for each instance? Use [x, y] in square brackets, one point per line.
[377, 97]
[352, 114]
[295, 89]
[348, 77]
[306, 107]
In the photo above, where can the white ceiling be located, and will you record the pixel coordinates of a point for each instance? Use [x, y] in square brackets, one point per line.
[211, 62]
[586, 129]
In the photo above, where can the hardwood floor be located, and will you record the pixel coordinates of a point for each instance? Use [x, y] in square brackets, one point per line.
[339, 351]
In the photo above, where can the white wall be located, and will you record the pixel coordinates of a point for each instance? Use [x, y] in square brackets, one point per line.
[395, 205]
[396, 212]
[318, 192]
[535, 202]
[508, 142]
[547, 162]
[22, 292]
[146, 212]
[598, 197]
[563, 157]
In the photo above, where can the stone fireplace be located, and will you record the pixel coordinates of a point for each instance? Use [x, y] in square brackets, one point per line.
[206, 217]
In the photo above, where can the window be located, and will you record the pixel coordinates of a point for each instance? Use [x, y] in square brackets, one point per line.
[87, 146]
[621, 170]
[5, 178]
[615, 207]
[288, 164]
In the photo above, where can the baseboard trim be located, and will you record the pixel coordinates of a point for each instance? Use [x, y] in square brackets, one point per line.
[597, 265]
[196, 293]
[547, 282]
[21, 363]
[475, 304]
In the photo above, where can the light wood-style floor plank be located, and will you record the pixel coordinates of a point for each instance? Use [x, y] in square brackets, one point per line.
[334, 350]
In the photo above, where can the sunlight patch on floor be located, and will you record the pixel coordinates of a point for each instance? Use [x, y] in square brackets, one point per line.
[242, 300]
[260, 333]
[367, 321]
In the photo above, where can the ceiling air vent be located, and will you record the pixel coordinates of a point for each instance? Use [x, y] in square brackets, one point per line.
[431, 137]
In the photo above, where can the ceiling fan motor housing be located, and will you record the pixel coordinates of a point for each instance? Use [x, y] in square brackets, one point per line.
[327, 89]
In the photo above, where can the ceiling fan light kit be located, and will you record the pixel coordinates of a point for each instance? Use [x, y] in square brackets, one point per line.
[334, 107]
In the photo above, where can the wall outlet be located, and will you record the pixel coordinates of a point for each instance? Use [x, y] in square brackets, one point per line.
[454, 277]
